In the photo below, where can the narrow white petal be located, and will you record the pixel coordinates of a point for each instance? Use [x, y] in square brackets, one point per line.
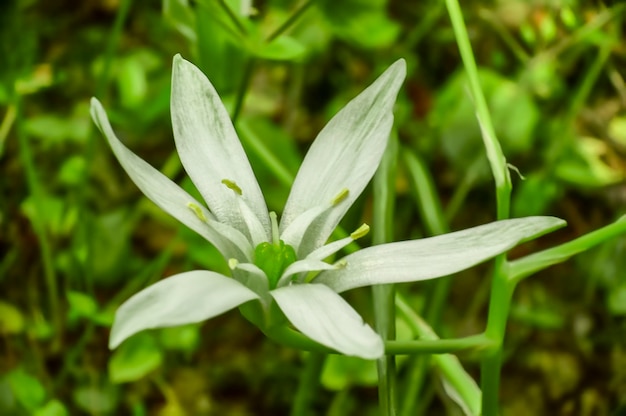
[169, 196]
[330, 249]
[345, 154]
[301, 266]
[185, 298]
[295, 232]
[256, 230]
[428, 258]
[325, 317]
[209, 147]
[251, 276]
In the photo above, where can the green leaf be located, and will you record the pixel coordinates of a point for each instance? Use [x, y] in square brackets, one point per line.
[283, 48]
[136, 358]
[81, 306]
[11, 319]
[28, 391]
[52, 408]
[342, 372]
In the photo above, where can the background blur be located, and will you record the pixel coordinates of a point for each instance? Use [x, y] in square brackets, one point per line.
[77, 237]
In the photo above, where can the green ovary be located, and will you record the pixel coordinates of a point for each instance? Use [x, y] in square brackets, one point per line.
[273, 259]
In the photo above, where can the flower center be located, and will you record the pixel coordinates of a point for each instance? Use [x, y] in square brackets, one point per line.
[273, 258]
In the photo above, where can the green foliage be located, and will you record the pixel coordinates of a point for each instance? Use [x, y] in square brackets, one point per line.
[77, 239]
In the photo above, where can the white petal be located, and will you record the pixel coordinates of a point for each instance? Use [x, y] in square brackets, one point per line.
[428, 258]
[209, 147]
[330, 248]
[328, 319]
[256, 230]
[185, 298]
[345, 154]
[169, 196]
[295, 232]
[301, 266]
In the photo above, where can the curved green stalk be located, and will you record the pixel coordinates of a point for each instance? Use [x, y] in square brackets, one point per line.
[34, 187]
[501, 287]
[308, 384]
[384, 295]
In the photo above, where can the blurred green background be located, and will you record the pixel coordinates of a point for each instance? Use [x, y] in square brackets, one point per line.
[77, 237]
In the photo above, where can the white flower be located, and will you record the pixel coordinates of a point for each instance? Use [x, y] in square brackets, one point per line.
[270, 261]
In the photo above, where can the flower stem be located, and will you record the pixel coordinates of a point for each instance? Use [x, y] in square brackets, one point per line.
[528, 265]
[289, 22]
[243, 88]
[384, 295]
[501, 287]
[39, 226]
[233, 17]
[496, 158]
[308, 384]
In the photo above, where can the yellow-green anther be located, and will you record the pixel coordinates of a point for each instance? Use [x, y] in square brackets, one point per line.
[360, 232]
[232, 263]
[275, 234]
[232, 185]
[343, 194]
[197, 210]
[341, 264]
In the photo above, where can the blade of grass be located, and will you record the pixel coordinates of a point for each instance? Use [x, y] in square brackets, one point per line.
[383, 295]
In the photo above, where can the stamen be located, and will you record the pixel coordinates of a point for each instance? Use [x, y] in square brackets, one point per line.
[233, 263]
[233, 186]
[275, 234]
[360, 232]
[197, 210]
[343, 194]
[341, 264]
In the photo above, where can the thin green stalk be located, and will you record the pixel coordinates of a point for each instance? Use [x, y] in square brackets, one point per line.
[591, 76]
[289, 22]
[439, 346]
[384, 295]
[496, 158]
[413, 385]
[113, 40]
[308, 384]
[273, 163]
[428, 202]
[499, 306]
[496, 24]
[435, 222]
[528, 265]
[5, 126]
[468, 395]
[35, 189]
[501, 287]
[243, 89]
[85, 232]
[233, 17]
[290, 338]
[588, 29]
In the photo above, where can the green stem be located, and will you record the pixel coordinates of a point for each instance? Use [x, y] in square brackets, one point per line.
[271, 161]
[293, 339]
[233, 17]
[39, 226]
[243, 89]
[449, 367]
[292, 19]
[499, 305]
[384, 295]
[308, 384]
[5, 126]
[113, 41]
[528, 265]
[496, 158]
[439, 346]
